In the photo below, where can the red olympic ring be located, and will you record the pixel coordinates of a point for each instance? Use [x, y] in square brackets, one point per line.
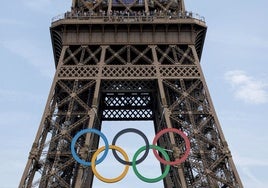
[187, 143]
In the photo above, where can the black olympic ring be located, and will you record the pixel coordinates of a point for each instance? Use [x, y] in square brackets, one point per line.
[139, 133]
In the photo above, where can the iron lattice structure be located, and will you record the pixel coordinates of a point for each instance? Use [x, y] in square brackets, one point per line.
[129, 60]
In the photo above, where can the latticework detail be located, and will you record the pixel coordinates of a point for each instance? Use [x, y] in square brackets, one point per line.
[117, 114]
[115, 72]
[129, 5]
[78, 71]
[179, 71]
[172, 54]
[68, 113]
[127, 106]
[128, 85]
[130, 54]
[208, 164]
[82, 55]
[129, 71]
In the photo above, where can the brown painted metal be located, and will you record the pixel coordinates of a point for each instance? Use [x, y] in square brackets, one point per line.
[129, 60]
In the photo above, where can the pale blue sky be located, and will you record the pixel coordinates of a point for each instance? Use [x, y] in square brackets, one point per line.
[234, 61]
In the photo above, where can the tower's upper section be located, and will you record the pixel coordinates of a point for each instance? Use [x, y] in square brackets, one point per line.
[127, 22]
[146, 7]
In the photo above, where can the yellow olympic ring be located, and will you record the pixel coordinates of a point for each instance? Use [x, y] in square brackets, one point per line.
[106, 180]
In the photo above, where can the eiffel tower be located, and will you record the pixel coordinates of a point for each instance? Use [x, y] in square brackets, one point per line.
[129, 60]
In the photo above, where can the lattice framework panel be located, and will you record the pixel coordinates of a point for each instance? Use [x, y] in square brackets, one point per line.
[127, 106]
[190, 110]
[130, 5]
[129, 61]
[68, 112]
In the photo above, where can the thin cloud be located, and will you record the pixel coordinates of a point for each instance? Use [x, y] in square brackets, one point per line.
[246, 165]
[17, 96]
[247, 88]
[22, 119]
[46, 7]
[33, 54]
[249, 162]
[236, 39]
[8, 21]
[37, 4]
[252, 179]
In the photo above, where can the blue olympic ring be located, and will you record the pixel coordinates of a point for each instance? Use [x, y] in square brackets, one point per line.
[74, 140]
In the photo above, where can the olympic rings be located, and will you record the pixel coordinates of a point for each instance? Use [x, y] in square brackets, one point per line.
[139, 133]
[106, 180]
[187, 143]
[74, 140]
[167, 168]
[166, 161]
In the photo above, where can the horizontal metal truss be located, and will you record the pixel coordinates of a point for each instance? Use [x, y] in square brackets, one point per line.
[127, 99]
[123, 72]
[129, 5]
[127, 106]
[129, 62]
[128, 86]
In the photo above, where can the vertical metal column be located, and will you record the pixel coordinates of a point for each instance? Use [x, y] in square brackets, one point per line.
[166, 113]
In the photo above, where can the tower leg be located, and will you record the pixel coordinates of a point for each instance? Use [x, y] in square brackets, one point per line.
[95, 118]
[166, 114]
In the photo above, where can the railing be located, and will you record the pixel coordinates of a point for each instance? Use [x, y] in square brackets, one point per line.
[128, 17]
